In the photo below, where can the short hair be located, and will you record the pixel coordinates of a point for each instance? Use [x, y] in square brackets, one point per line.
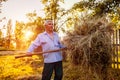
[46, 21]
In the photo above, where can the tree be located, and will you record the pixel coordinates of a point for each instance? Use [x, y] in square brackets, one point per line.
[0, 34]
[1, 4]
[0, 9]
[95, 8]
[9, 33]
[0, 37]
[35, 23]
[53, 11]
[25, 33]
[98, 7]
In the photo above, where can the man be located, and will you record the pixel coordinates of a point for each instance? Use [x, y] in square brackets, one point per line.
[49, 40]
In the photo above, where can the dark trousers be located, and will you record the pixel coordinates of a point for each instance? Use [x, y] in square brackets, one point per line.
[49, 68]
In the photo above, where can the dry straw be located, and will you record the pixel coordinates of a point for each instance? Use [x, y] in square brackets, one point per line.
[89, 45]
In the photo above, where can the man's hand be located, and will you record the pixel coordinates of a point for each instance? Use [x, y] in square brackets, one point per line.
[29, 54]
[65, 48]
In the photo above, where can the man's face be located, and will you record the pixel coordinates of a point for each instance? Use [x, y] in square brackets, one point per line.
[49, 26]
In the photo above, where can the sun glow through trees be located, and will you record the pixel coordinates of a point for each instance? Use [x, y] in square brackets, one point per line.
[27, 34]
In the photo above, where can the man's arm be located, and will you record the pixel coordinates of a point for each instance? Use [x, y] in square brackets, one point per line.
[34, 45]
[38, 53]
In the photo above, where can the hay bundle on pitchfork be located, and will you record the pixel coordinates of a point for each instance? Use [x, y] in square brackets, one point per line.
[89, 45]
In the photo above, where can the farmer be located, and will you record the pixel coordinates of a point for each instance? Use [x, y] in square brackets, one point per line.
[49, 40]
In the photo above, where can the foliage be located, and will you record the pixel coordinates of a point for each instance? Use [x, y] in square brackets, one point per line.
[108, 8]
[99, 7]
[23, 30]
[0, 34]
[3, 0]
[1, 4]
[9, 32]
[54, 11]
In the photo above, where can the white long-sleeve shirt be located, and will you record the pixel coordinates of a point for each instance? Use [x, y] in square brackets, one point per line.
[47, 44]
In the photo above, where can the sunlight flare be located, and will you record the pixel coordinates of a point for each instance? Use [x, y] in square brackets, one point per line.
[28, 34]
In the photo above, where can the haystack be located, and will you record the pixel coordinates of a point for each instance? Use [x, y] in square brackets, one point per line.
[89, 45]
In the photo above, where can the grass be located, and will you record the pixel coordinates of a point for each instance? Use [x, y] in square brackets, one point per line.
[14, 69]
[30, 68]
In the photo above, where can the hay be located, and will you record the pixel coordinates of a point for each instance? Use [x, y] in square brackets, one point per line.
[89, 45]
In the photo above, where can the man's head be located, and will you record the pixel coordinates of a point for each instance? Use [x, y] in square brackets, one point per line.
[48, 25]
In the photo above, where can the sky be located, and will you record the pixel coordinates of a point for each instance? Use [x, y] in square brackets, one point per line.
[17, 9]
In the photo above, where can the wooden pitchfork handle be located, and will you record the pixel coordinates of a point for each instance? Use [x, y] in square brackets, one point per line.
[38, 53]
